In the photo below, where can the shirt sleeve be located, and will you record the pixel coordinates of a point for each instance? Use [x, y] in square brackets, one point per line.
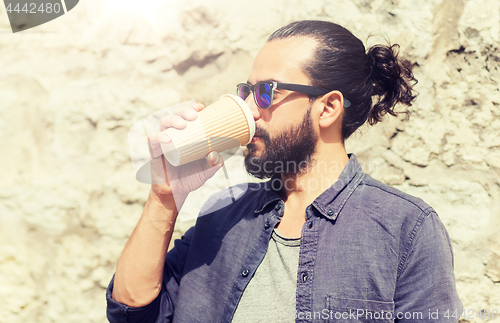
[161, 309]
[425, 287]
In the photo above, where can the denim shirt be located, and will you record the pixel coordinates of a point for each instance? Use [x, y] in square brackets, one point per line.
[368, 253]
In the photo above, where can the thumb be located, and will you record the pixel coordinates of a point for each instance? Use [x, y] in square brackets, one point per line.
[213, 159]
[213, 162]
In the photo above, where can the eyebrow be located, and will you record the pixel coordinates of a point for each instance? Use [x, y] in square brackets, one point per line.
[268, 80]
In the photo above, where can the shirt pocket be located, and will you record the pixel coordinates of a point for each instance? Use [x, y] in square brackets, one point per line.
[358, 310]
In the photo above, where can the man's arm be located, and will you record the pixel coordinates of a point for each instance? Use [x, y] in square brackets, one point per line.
[426, 288]
[139, 274]
[163, 304]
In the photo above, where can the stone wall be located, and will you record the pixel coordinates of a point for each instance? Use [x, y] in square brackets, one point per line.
[71, 89]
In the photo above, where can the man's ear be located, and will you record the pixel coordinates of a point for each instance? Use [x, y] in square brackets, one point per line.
[332, 108]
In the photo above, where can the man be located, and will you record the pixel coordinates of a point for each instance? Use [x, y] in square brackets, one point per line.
[321, 240]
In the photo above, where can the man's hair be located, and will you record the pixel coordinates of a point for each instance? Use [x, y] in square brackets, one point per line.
[341, 63]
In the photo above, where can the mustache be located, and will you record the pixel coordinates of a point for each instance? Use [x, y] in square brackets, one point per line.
[262, 133]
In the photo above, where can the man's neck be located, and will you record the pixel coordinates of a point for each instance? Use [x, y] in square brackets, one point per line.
[300, 191]
[324, 171]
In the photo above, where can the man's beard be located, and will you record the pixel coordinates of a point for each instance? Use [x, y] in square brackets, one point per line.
[288, 154]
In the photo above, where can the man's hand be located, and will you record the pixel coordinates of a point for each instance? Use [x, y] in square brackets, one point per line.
[178, 181]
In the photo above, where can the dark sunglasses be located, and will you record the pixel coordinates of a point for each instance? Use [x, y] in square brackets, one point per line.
[264, 92]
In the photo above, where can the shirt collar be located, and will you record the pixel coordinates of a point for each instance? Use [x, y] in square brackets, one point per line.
[270, 193]
[331, 201]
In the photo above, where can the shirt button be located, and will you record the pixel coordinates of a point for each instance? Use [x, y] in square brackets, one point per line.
[267, 225]
[244, 273]
[310, 225]
[304, 277]
[277, 207]
[330, 212]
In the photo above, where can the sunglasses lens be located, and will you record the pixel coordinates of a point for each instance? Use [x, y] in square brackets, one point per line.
[263, 95]
[243, 91]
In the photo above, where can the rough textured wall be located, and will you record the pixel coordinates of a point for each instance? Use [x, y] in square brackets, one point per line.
[71, 89]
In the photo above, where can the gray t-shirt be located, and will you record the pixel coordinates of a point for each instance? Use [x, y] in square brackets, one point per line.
[271, 293]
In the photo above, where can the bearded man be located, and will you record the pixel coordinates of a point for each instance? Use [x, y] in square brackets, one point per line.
[321, 240]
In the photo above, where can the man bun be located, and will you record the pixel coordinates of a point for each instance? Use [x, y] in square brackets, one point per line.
[392, 81]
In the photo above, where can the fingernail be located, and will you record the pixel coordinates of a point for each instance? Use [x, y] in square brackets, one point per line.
[164, 138]
[213, 158]
[217, 159]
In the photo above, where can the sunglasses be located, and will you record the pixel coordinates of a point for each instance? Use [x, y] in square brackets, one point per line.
[264, 92]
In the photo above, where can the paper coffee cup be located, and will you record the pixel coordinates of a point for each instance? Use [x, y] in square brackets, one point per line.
[225, 124]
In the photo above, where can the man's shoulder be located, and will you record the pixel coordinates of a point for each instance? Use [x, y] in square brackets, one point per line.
[379, 192]
[399, 213]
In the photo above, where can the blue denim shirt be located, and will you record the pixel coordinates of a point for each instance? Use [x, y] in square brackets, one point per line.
[368, 253]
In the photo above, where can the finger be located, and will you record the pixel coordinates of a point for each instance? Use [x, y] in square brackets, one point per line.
[213, 163]
[182, 111]
[172, 121]
[214, 159]
[154, 141]
[158, 137]
[186, 113]
[199, 106]
[190, 113]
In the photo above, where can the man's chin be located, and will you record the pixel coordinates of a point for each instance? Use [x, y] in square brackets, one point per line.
[254, 167]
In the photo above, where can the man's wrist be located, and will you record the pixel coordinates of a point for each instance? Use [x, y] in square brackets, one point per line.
[171, 202]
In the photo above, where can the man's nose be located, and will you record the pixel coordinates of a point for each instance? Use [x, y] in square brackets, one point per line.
[253, 107]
